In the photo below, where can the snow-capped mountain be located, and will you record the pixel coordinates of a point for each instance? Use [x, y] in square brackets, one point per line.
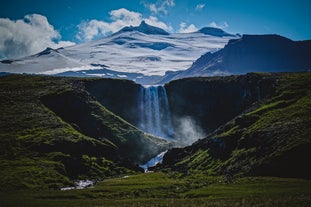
[144, 54]
[253, 53]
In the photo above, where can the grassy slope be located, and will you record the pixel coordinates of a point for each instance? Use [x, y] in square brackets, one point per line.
[159, 189]
[38, 148]
[273, 139]
[168, 189]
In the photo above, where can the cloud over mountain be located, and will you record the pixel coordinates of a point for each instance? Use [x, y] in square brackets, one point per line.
[120, 18]
[183, 28]
[222, 25]
[28, 36]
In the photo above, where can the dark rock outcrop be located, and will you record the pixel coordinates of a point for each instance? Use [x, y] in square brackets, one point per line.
[118, 96]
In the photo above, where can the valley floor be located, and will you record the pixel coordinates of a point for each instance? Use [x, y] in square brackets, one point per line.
[168, 189]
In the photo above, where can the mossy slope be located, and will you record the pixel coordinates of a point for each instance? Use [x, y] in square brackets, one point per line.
[52, 130]
[272, 138]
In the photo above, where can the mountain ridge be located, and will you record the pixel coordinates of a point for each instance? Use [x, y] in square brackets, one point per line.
[253, 53]
[142, 53]
[149, 55]
[214, 32]
[144, 28]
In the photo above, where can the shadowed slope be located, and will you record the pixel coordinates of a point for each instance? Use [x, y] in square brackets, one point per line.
[271, 138]
[52, 130]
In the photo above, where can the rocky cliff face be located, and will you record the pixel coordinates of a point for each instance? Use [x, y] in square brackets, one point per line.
[144, 28]
[206, 102]
[213, 101]
[119, 96]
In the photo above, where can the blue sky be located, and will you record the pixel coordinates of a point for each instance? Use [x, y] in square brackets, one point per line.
[74, 21]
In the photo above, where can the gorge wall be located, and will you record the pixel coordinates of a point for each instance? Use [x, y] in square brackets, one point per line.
[119, 96]
[213, 101]
[203, 103]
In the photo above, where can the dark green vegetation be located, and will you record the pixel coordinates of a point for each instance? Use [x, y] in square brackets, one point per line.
[159, 189]
[55, 130]
[52, 130]
[271, 138]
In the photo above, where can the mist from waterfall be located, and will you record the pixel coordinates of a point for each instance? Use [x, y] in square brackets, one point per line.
[155, 116]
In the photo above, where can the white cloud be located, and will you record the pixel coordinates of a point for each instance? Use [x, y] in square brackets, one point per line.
[125, 15]
[199, 7]
[183, 28]
[28, 36]
[161, 6]
[120, 18]
[89, 30]
[223, 25]
[152, 20]
[152, 8]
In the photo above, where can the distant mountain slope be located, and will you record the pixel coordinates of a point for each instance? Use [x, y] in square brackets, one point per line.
[47, 60]
[253, 53]
[272, 138]
[143, 54]
[215, 32]
[52, 130]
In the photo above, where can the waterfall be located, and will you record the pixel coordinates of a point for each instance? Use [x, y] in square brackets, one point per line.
[155, 116]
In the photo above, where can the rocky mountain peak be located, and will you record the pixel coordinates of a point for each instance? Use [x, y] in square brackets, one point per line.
[145, 28]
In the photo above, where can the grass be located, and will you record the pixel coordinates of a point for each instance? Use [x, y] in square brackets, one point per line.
[41, 147]
[32, 173]
[160, 189]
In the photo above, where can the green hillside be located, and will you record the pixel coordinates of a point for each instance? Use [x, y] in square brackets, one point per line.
[271, 138]
[52, 131]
